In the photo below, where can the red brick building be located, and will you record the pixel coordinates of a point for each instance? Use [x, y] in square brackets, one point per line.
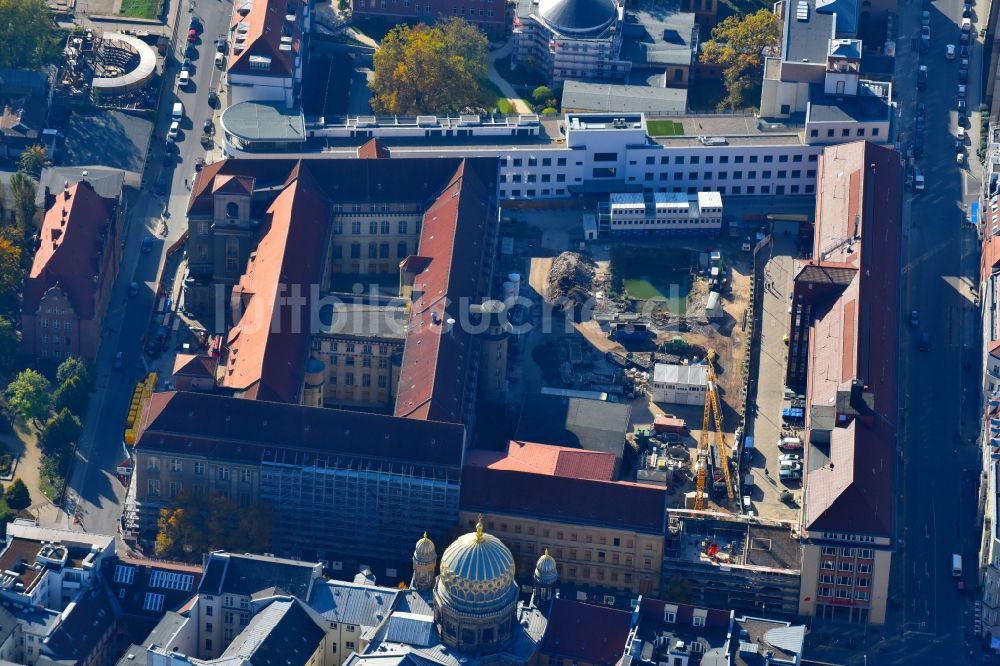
[66, 294]
[489, 15]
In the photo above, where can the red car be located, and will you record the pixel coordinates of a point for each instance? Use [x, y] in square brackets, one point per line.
[192, 35]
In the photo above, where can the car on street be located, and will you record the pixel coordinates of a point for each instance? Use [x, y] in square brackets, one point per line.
[195, 24]
[147, 245]
[925, 17]
[961, 106]
[789, 458]
[949, 51]
[133, 289]
[191, 51]
[208, 127]
[921, 109]
[914, 318]
[922, 77]
[220, 59]
[793, 473]
[962, 120]
[964, 52]
[192, 36]
[119, 361]
[220, 44]
[967, 11]
[183, 79]
[213, 98]
[961, 133]
[966, 24]
[790, 444]
[963, 75]
[174, 131]
[960, 159]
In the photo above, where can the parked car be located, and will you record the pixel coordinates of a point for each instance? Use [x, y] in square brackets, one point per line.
[922, 77]
[963, 75]
[184, 78]
[133, 289]
[966, 24]
[914, 318]
[925, 341]
[949, 51]
[967, 12]
[964, 52]
[147, 245]
[960, 159]
[213, 98]
[208, 127]
[174, 131]
[789, 458]
[220, 44]
[790, 444]
[192, 36]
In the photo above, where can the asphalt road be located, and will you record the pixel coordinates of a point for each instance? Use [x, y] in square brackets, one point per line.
[94, 495]
[929, 618]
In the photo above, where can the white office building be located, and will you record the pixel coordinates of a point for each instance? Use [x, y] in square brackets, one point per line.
[679, 384]
[662, 212]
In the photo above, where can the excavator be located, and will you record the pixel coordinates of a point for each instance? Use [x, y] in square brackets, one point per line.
[712, 415]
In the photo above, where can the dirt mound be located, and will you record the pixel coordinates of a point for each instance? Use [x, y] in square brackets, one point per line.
[571, 280]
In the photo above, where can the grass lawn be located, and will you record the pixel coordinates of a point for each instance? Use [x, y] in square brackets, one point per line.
[654, 273]
[664, 128]
[503, 105]
[143, 9]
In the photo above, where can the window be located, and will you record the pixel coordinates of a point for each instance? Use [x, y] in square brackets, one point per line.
[814, 133]
[208, 610]
[356, 227]
[560, 161]
[372, 250]
[385, 227]
[796, 173]
[782, 174]
[698, 621]
[695, 159]
[826, 592]
[199, 468]
[796, 158]
[245, 476]
[208, 627]
[355, 250]
[605, 157]
[373, 228]
[874, 131]
[383, 250]
[222, 473]
[153, 463]
[208, 641]
[124, 574]
[349, 645]
[827, 564]
[175, 465]
[669, 617]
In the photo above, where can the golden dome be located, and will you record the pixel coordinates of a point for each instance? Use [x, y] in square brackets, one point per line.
[477, 574]
[425, 551]
[546, 571]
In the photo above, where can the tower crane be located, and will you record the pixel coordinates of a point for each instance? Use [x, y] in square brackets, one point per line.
[712, 415]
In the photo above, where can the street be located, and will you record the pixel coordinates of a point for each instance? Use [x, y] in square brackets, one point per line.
[938, 418]
[94, 495]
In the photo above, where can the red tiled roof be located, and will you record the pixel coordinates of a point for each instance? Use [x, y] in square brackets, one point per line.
[578, 501]
[265, 26]
[434, 374]
[546, 459]
[586, 632]
[232, 185]
[266, 350]
[373, 149]
[74, 233]
[855, 340]
[195, 365]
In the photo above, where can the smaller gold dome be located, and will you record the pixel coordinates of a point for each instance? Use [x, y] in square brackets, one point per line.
[425, 551]
[545, 569]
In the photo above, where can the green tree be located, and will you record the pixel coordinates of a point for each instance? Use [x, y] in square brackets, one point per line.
[59, 435]
[33, 160]
[26, 33]
[28, 395]
[72, 394]
[199, 522]
[8, 346]
[427, 69]
[73, 367]
[22, 191]
[542, 94]
[738, 45]
[17, 495]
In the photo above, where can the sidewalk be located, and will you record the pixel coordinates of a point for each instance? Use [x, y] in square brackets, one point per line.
[520, 106]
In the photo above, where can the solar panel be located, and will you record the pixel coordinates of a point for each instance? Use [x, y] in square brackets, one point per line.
[124, 574]
[153, 602]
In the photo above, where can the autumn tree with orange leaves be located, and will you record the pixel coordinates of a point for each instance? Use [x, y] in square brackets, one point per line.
[739, 45]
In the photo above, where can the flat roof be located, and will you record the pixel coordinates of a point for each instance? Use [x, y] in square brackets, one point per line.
[806, 41]
[824, 108]
[365, 320]
[594, 425]
[264, 121]
[680, 374]
[610, 98]
[665, 37]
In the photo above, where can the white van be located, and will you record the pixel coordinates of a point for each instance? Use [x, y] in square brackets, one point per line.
[219, 59]
[790, 444]
[178, 111]
[956, 565]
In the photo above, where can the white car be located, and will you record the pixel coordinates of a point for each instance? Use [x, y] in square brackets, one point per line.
[949, 52]
[960, 159]
[789, 458]
[183, 78]
[961, 132]
[175, 129]
[966, 24]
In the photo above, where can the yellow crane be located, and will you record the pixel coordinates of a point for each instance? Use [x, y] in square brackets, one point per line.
[711, 415]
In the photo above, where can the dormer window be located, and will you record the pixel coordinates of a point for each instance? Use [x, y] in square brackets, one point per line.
[232, 210]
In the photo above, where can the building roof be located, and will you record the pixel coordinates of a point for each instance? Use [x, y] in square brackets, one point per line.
[284, 632]
[264, 121]
[268, 346]
[585, 632]
[872, 104]
[248, 575]
[546, 459]
[577, 501]
[382, 319]
[659, 37]
[75, 231]
[351, 603]
[196, 366]
[806, 41]
[188, 422]
[854, 341]
[578, 17]
[107, 183]
[609, 98]
[757, 639]
[456, 233]
[692, 375]
[23, 80]
[658, 633]
[162, 635]
[146, 589]
[594, 425]
[267, 28]
[83, 628]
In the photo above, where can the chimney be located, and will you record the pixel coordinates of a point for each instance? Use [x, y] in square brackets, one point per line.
[66, 189]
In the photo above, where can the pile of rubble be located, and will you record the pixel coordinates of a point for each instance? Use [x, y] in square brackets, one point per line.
[571, 280]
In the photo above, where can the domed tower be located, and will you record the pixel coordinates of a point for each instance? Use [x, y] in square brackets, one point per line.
[475, 597]
[424, 563]
[546, 577]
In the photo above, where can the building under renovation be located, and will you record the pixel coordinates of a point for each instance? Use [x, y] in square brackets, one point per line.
[732, 561]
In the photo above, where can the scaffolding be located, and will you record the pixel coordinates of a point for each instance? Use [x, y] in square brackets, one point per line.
[345, 507]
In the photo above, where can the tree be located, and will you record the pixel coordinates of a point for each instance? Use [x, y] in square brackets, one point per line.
[72, 394]
[33, 160]
[542, 94]
[73, 367]
[738, 45]
[22, 191]
[427, 69]
[10, 270]
[199, 522]
[59, 434]
[17, 495]
[8, 346]
[26, 33]
[28, 395]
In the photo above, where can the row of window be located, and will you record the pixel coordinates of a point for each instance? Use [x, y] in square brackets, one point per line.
[67, 324]
[847, 566]
[844, 132]
[827, 579]
[56, 340]
[366, 362]
[375, 227]
[724, 175]
[559, 535]
[154, 490]
[860, 595]
[687, 222]
[177, 465]
[366, 348]
[863, 553]
[723, 190]
[531, 178]
[366, 380]
[375, 251]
